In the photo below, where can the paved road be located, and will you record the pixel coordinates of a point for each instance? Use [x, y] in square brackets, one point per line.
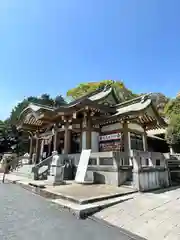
[25, 216]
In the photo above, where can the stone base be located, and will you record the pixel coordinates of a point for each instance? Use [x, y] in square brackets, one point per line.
[89, 178]
[54, 181]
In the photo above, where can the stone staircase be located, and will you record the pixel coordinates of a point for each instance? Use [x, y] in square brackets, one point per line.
[24, 171]
[81, 199]
[128, 183]
[41, 170]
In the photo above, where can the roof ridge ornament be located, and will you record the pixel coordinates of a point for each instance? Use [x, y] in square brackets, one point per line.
[105, 87]
[145, 97]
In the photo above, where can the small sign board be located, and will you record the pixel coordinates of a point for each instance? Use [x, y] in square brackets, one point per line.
[110, 137]
[82, 166]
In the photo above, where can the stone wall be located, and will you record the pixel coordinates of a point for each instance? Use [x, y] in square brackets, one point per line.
[148, 169]
[150, 179]
[110, 175]
[147, 175]
[108, 168]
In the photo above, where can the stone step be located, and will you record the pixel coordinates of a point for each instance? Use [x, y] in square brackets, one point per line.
[26, 175]
[53, 193]
[128, 184]
[79, 205]
[93, 199]
[24, 171]
[86, 210]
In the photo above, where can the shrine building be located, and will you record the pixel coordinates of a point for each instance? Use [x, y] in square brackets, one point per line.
[99, 121]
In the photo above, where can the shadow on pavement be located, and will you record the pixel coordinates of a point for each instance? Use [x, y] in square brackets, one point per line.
[109, 205]
[163, 190]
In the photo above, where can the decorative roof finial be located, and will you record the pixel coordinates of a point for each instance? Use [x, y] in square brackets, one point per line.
[145, 97]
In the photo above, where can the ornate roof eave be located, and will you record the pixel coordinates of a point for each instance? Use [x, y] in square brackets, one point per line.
[84, 103]
[101, 95]
[92, 97]
[36, 116]
[136, 110]
[158, 117]
[133, 100]
[86, 96]
[27, 127]
[157, 132]
[32, 125]
[36, 110]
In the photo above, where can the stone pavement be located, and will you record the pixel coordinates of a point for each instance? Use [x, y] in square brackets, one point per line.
[79, 193]
[150, 215]
[14, 177]
[89, 193]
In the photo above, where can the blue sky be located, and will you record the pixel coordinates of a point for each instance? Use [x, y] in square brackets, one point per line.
[51, 46]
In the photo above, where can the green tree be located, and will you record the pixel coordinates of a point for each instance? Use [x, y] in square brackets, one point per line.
[172, 112]
[8, 133]
[44, 99]
[8, 136]
[85, 88]
[59, 101]
[173, 130]
[160, 101]
[173, 107]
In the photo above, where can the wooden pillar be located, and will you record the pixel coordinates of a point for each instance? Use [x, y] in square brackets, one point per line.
[57, 141]
[88, 132]
[55, 138]
[37, 149]
[80, 138]
[49, 148]
[127, 141]
[41, 149]
[67, 138]
[171, 149]
[144, 138]
[30, 147]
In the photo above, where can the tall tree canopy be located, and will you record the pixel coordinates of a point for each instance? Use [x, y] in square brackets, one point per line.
[172, 112]
[160, 101]
[44, 99]
[8, 133]
[85, 88]
[8, 136]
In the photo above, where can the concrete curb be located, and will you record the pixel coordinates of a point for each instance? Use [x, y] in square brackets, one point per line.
[37, 190]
